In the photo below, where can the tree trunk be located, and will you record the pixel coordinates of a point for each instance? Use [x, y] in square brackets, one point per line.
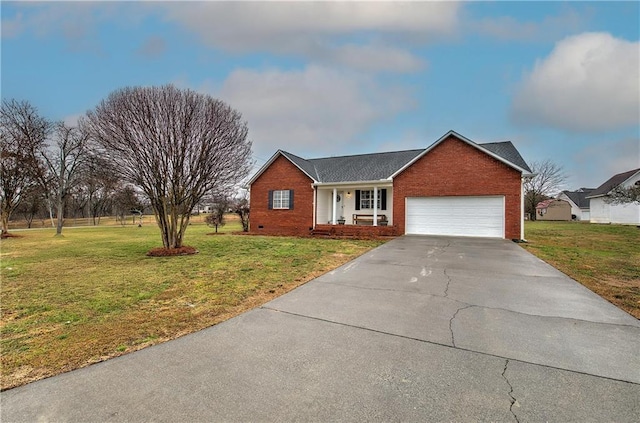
[172, 226]
[5, 221]
[50, 204]
[60, 215]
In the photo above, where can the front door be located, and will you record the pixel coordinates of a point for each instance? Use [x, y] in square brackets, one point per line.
[340, 205]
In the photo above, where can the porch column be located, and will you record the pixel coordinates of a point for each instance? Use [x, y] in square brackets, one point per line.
[333, 207]
[375, 206]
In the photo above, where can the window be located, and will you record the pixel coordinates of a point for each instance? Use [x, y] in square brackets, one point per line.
[366, 199]
[281, 199]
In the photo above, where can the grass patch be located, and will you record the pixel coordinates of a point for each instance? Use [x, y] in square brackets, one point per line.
[604, 258]
[94, 293]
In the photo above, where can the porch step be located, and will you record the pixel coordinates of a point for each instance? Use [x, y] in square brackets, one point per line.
[321, 232]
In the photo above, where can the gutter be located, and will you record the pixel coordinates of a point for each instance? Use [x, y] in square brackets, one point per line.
[386, 182]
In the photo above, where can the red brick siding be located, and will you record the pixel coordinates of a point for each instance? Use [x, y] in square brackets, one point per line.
[282, 174]
[455, 168]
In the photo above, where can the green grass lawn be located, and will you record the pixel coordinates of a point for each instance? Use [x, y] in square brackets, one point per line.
[604, 258]
[93, 293]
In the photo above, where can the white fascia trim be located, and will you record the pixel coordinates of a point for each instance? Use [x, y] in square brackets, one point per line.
[471, 143]
[629, 178]
[273, 159]
[621, 183]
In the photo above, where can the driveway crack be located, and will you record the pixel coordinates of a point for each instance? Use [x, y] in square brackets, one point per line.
[446, 289]
[513, 399]
[453, 339]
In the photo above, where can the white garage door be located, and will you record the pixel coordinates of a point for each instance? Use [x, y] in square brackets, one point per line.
[456, 216]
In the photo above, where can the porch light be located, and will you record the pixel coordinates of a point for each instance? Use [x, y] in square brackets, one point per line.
[348, 194]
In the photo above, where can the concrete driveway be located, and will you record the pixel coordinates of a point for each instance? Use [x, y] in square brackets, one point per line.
[420, 329]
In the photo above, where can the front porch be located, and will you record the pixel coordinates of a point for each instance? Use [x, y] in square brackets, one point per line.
[354, 231]
[365, 204]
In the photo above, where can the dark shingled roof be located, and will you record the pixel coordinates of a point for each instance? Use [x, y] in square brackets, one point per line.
[362, 167]
[507, 151]
[381, 166]
[579, 197]
[303, 164]
[612, 182]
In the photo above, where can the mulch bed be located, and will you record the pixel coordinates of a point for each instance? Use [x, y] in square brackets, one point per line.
[168, 252]
[3, 236]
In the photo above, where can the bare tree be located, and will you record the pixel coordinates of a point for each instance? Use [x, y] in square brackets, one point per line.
[240, 206]
[22, 132]
[31, 204]
[124, 201]
[624, 195]
[216, 218]
[175, 145]
[99, 184]
[64, 159]
[548, 180]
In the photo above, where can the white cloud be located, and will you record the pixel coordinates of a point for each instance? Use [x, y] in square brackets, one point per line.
[320, 31]
[376, 58]
[72, 120]
[314, 111]
[370, 36]
[597, 162]
[588, 82]
[249, 25]
[153, 47]
[509, 28]
[12, 27]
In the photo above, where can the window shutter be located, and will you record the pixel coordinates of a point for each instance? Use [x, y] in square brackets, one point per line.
[270, 199]
[357, 199]
[383, 199]
[290, 199]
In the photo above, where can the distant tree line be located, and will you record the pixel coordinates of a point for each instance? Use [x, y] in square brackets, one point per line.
[50, 172]
[162, 148]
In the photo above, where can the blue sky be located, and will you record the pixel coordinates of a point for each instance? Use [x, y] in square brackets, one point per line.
[559, 79]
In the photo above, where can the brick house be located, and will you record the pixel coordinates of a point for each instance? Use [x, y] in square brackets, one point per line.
[453, 187]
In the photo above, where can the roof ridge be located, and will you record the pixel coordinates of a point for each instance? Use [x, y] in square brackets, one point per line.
[496, 142]
[367, 154]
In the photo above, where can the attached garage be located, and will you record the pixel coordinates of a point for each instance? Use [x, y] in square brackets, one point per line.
[479, 216]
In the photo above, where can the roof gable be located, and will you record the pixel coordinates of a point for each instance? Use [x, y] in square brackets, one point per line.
[501, 151]
[298, 162]
[579, 198]
[613, 182]
[508, 151]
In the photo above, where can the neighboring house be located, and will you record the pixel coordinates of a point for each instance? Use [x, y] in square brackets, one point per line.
[579, 202]
[553, 209]
[603, 212]
[202, 208]
[453, 187]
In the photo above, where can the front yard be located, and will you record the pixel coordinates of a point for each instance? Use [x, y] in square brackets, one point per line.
[604, 258]
[93, 294]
